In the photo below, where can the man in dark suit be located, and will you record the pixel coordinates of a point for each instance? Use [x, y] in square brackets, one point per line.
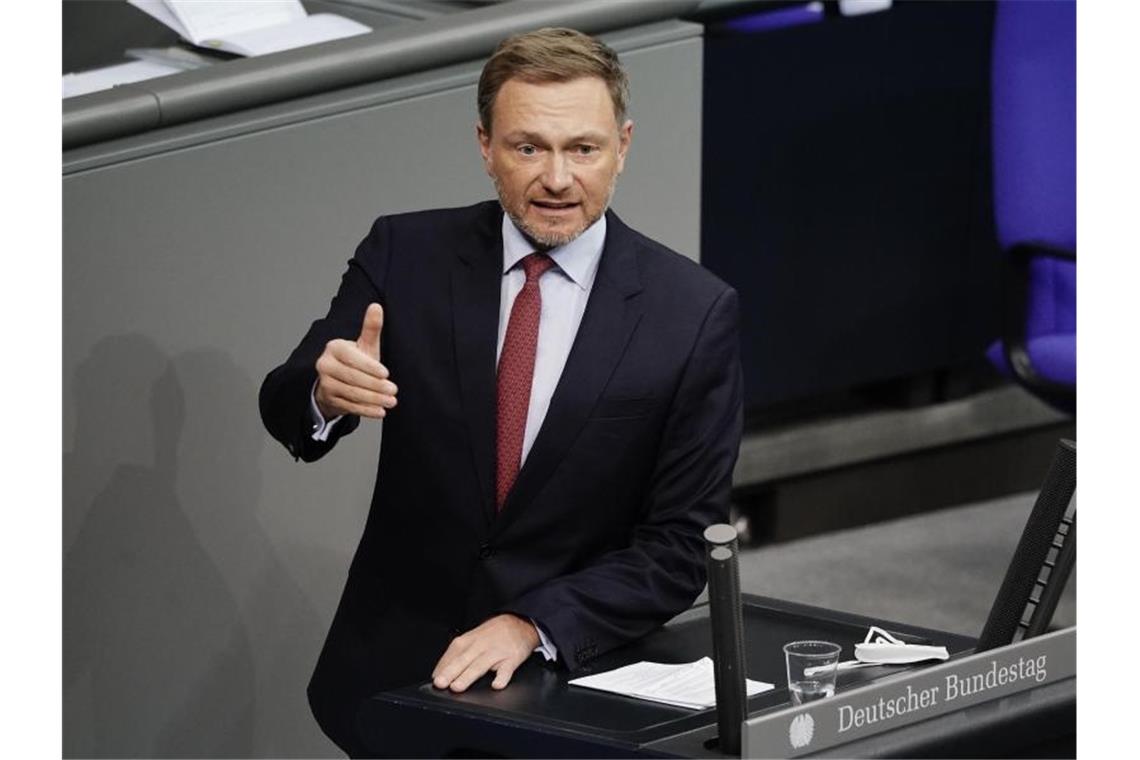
[568, 414]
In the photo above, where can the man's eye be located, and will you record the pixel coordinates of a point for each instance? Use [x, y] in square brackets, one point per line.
[528, 150]
[586, 150]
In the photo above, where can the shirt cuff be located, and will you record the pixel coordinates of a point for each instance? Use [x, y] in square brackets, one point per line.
[545, 646]
[322, 427]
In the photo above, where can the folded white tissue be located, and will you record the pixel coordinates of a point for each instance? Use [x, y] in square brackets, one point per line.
[898, 654]
[881, 648]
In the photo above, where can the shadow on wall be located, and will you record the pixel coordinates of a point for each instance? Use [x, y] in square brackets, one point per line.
[180, 622]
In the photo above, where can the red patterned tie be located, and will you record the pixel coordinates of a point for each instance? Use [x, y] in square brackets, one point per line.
[516, 371]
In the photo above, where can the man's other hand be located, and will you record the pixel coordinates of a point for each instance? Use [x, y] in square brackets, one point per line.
[350, 377]
[501, 644]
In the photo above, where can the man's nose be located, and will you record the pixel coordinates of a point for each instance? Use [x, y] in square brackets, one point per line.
[556, 177]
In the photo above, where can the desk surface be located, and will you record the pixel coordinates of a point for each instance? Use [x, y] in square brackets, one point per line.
[540, 713]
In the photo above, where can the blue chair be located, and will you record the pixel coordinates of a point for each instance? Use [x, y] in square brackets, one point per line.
[1034, 175]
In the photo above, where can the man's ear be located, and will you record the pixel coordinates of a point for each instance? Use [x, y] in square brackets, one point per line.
[484, 138]
[625, 137]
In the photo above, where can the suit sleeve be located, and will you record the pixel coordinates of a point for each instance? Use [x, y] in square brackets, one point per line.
[628, 592]
[286, 391]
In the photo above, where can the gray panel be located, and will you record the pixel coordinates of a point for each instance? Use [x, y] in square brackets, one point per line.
[380, 54]
[201, 564]
[113, 112]
[678, 74]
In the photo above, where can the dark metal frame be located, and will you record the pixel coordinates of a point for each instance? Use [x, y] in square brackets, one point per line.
[1045, 557]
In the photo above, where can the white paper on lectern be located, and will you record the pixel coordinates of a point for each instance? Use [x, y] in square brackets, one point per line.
[689, 684]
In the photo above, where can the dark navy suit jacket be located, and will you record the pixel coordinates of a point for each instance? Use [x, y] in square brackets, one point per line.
[599, 541]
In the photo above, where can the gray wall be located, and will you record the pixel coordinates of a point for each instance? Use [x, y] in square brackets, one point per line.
[202, 565]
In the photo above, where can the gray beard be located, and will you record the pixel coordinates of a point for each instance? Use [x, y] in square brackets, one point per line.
[547, 240]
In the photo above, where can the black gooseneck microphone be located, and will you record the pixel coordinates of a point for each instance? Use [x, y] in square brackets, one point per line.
[727, 620]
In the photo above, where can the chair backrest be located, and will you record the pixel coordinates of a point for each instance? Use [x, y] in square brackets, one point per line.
[1034, 88]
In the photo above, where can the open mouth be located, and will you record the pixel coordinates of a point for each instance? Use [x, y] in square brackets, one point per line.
[554, 207]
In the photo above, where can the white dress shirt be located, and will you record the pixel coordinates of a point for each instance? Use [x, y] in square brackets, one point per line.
[565, 289]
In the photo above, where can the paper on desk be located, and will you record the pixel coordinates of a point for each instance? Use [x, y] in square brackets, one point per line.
[320, 27]
[218, 19]
[109, 76]
[207, 19]
[249, 28]
[688, 684]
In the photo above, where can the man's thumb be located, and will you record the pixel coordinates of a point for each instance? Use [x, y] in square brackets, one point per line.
[369, 340]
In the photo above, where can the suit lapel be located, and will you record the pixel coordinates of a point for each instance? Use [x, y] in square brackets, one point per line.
[611, 315]
[475, 287]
